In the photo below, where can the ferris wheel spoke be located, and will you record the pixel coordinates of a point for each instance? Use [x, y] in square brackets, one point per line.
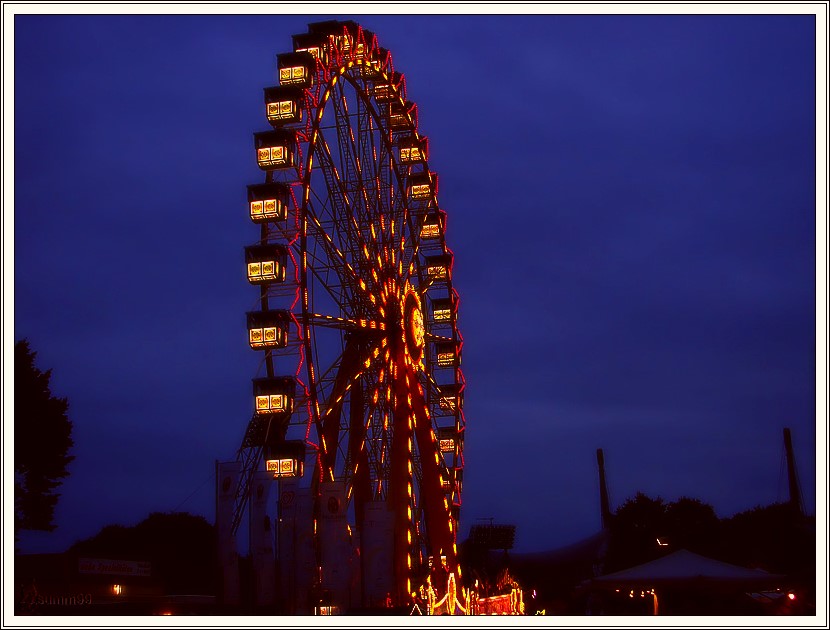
[341, 209]
[343, 323]
[336, 260]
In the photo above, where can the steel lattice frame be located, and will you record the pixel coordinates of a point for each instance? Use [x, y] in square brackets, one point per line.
[372, 342]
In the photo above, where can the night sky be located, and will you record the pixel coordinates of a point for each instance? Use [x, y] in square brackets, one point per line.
[631, 203]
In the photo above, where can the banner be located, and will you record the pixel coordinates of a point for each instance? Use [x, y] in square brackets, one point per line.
[262, 540]
[227, 482]
[98, 566]
[297, 562]
[376, 542]
[335, 546]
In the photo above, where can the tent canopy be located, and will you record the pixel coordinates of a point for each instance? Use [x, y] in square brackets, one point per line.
[683, 567]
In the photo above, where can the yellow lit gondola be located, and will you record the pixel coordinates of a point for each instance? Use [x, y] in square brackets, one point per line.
[285, 458]
[265, 263]
[402, 115]
[274, 396]
[297, 68]
[268, 202]
[412, 150]
[275, 149]
[420, 186]
[386, 91]
[443, 309]
[450, 398]
[267, 329]
[439, 267]
[283, 105]
[431, 226]
[447, 354]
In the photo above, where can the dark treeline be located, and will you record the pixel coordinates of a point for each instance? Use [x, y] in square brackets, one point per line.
[776, 538]
[181, 548]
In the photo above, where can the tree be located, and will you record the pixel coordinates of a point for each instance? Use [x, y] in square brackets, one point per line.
[644, 529]
[42, 439]
[693, 525]
[180, 547]
[635, 527]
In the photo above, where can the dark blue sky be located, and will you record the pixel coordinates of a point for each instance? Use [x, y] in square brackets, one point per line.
[632, 207]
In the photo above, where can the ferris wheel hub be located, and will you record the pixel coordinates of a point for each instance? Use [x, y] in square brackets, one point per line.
[413, 320]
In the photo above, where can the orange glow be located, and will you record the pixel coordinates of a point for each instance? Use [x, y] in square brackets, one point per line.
[266, 209]
[265, 270]
[448, 403]
[272, 403]
[274, 156]
[442, 314]
[284, 467]
[446, 445]
[314, 51]
[294, 75]
[267, 337]
[445, 359]
[437, 272]
[283, 111]
[384, 92]
[420, 191]
[430, 231]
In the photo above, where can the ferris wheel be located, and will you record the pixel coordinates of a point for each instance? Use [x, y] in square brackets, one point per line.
[359, 399]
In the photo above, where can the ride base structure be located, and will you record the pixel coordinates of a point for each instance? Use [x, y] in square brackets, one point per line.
[351, 466]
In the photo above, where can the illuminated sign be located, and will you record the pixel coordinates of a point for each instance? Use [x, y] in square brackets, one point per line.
[294, 75]
[446, 355]
[265, 270]
[398, 119]
[266, 209]
[420, 191]
[431, 227]
[437, 272]
[447, 445]
[314, 51]
[411, 154]
[268, 337]
[284, 111]
[384, 92]
[448, 403]
[272, 403]
[284, 467]
[267, 329]
[265, 263]
[274, 156]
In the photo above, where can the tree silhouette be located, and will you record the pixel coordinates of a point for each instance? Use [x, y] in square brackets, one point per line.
[643, 529]
[181, 548]
[42, 439]
[635, 527]
[693, 525]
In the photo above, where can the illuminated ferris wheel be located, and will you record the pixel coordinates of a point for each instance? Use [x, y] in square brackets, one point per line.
[359, 400]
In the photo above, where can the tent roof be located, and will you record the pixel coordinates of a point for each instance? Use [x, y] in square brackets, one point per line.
[685, 566]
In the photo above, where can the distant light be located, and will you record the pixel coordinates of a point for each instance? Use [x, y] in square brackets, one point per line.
[662, 544]
[791, 596]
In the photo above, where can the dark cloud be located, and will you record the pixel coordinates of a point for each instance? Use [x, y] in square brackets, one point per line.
[631, 203]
